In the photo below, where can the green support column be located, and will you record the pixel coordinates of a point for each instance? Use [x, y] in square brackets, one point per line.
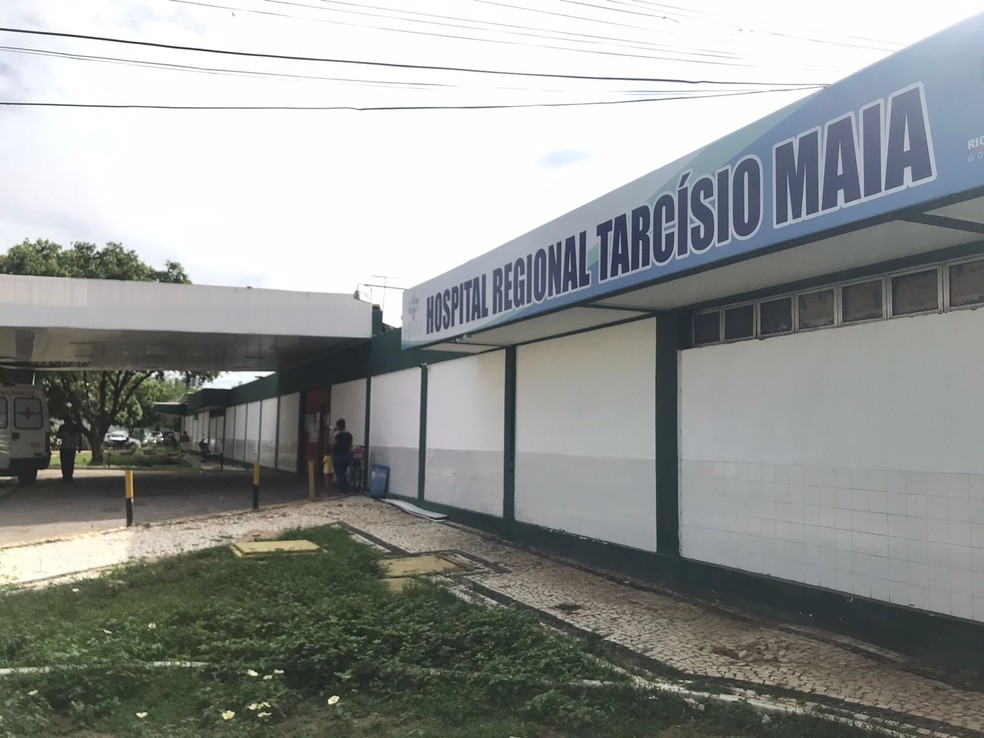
[509, 441]
[366, 459]
[667, 434]
[422, 445]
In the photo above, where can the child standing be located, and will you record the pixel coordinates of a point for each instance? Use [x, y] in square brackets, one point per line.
[328, 467]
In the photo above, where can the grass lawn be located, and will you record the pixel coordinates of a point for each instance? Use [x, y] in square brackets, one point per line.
[317, 646]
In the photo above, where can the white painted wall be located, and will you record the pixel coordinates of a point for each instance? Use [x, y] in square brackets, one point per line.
[465, 417]
[229, 433]
[348, 402]
[268, 432]
[846, 458]
[216, 433]
[395, 428]
[252, 432]
[287, 439]
[240, 437]
[586, 434]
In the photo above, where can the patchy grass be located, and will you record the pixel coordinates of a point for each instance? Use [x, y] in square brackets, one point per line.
[275, 640]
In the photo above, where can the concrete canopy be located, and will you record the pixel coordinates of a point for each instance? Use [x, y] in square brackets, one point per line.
[58, 323]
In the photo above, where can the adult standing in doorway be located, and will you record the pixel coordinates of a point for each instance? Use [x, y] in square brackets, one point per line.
[341, 455]
[70, 439]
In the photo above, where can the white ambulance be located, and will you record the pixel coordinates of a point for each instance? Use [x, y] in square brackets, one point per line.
[25, 445]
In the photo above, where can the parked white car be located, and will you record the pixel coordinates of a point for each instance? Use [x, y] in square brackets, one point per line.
[120, 439]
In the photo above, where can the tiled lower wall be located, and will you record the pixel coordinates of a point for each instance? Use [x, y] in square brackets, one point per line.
[909, 538]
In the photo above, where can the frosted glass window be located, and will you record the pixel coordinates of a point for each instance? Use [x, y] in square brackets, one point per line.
[776, 316]
[707, 328]
[915, 293]
[862, 301]
[739, 322]
[967, 284]
[816, 309]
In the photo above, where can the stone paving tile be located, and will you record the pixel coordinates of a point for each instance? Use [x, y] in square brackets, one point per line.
[696, 638]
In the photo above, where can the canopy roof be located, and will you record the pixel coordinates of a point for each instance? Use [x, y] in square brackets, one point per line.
[55, 323]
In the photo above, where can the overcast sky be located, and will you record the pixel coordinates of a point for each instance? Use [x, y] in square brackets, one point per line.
[324, 200]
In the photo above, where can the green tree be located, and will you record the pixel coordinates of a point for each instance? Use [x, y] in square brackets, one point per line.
[96, 400]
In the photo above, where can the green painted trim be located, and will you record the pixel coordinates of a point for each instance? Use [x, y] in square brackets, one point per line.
[481, 521]
[422, 442]
[367, 463]
[175, 409]
[387, 356]
[276, 437]
[257, 390]
[509, 438]
[204, 399]
[954, 224]
[667, 435]
[623, 308]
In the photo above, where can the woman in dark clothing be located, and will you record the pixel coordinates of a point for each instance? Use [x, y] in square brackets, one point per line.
[341, 455]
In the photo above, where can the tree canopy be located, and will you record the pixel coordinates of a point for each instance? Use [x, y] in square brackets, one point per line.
[43, 258]
[97, 400]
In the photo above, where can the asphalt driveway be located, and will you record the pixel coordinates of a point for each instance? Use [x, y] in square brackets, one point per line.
[95, 500]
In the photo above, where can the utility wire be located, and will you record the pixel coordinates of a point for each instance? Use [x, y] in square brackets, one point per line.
[699, 55]
[679, 53]
[524, 31]
[393, 65]
[373, 108]
[223, 71]
[216, 70]
[740, 23]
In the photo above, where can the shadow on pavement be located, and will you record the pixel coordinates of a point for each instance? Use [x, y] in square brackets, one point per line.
[94, 500]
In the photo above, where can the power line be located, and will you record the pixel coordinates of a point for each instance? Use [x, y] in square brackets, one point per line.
[741, 24]
[376, 108]
[214, 70]
[584, 38]
[670, 52]
[393, 65]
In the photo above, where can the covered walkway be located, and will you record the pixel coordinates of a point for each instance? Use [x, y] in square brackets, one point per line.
[61, 323]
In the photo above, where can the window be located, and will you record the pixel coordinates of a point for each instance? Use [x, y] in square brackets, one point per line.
[888, 295]
[967, 283]
[862, 301]
[776, 316]
[915, 293]
[707, 328]
[3, 412]
[816, 309]
[27, 413]
[739, 322]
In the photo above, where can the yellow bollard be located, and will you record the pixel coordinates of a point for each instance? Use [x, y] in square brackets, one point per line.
[310, 479]
[128, 477]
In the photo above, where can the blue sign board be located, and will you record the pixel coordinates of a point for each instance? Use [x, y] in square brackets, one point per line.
[905, 131]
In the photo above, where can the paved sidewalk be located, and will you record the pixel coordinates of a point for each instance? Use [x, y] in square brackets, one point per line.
[700, 640]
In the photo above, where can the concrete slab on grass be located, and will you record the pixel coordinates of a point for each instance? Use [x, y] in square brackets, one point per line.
[247, 549]
[408, 566]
